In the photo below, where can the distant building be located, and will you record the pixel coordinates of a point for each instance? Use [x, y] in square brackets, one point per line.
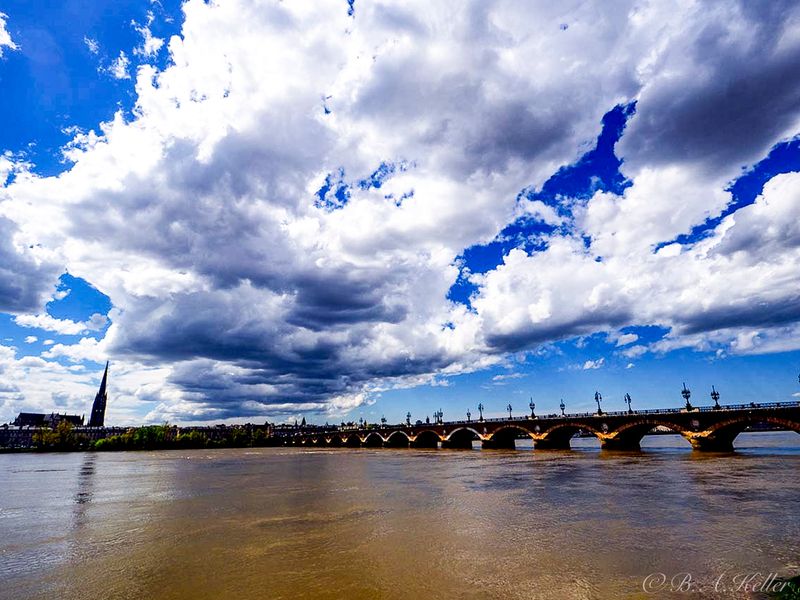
[99, 407]
[97, 418]
[26, 419]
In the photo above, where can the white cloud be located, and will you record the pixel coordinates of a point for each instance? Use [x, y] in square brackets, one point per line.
[5, 37]
[198, 218]
[150, 45]
[62, 326]
[92, 45]
[627, 338]
[118, 68]
[31, 339]
[505, 377]
[593, 364]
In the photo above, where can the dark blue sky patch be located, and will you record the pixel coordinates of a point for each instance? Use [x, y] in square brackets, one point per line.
[334, 193]
[783, 158]
[52, 83]
[82, 301]
[384, 171]
[596, 170]
[462, 290]
[336, 190]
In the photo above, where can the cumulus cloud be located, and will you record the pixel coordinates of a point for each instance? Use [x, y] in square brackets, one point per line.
[721, 92]
[5, 37]
[27, 274]
[207, 219]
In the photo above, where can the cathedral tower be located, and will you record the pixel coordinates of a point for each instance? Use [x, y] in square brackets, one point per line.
[99, 407]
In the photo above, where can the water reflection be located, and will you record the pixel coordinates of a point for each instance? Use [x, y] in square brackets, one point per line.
[85, 489]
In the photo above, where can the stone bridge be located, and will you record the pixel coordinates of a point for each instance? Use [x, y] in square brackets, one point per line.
[708, 428]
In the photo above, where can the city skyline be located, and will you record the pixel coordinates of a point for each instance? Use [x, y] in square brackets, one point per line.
[346, 210]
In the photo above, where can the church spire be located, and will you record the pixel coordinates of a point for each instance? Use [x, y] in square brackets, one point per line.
[99, 407]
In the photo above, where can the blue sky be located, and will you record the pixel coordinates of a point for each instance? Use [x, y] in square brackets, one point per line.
[265, 212]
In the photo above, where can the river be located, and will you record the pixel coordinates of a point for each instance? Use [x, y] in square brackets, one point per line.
[382, 523]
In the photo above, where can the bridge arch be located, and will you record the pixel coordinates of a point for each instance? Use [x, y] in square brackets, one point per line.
[629, 436]
[426, 439]
[558, 437]
[504, 436]
[398, 439]
[720, 436]
[461, 438]
[373, 440]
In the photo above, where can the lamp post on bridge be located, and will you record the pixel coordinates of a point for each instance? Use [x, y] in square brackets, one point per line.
[508, 408]
[628, 401]
[687, 393]
[408, 418]
[438, 416]
[469, 416]
[598, 398]
[562, 406]
[715, 398]
[532, 406]
[360, 422]
[383, 421]
[480, 410]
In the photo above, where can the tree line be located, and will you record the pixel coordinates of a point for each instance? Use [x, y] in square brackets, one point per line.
[151, 437]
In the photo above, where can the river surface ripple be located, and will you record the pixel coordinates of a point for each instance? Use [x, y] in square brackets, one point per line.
[361, 523]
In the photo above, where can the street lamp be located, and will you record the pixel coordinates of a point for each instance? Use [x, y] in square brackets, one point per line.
[532, 406]
[686, 393]
[598, 398]
[480, 410]
[360, 421]
[562, 406]
[408, 418]
[508, 408]
[715, 398]
[628, 402]
[383, 421]
[469, 416]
